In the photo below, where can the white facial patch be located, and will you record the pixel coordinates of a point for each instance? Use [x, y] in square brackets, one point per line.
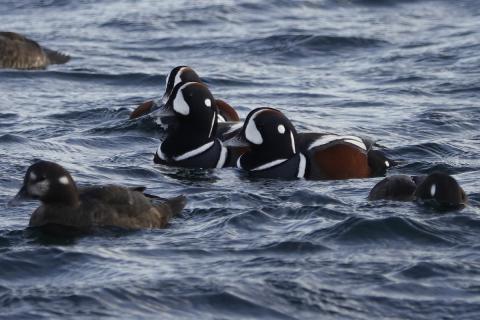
[63, 180]
[178, 77]
[33, 176]
[39, 189]
[433, 190]
[387, 164]
[179, 104]
[251, 131]
[208, 102]
[281, 129]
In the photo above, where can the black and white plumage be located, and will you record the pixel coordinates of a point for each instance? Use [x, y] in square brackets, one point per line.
[192, 140]
[177, 75]
[278, 151]
[20, 52]
[63, 204]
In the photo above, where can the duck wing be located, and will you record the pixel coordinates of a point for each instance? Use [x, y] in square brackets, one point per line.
[129, 208]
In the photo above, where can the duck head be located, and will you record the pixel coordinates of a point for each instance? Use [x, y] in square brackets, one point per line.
[267, 131]
[50, 183]
[442, 189]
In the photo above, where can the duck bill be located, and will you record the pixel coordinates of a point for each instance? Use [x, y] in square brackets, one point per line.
[163, 114]
[236, 141]
[21, 196]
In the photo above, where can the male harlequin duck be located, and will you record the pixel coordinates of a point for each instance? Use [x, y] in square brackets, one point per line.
[278, 151]
[192, 139]
[19, 52]
[183, 74]
[439, 188]
[63, 204]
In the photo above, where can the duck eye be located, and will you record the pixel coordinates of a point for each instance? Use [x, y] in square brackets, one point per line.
[281, 128]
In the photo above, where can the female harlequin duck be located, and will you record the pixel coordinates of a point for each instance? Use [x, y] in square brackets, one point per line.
[19, 52]
[278, 151]
[437, 188]
[63, 204]
[192, 140]
[177, 75]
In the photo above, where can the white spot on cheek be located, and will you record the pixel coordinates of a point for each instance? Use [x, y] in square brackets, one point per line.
[33, 176]
[208, 102]
[387, 164]
[281, 128]
[433, 190]
[63, 180]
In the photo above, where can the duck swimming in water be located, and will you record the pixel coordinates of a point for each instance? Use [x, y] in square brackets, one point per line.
[19, 52]
[177, 75]
[437, 188]
[82, 209]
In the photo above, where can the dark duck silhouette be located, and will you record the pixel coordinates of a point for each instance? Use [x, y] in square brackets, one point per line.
[437, 188]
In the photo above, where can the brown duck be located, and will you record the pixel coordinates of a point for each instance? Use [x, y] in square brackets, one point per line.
[19, 52]
[63, 204]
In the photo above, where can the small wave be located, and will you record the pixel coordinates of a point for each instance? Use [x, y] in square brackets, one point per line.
[12, 138]
[361, 230]
[111, 79]
[312, 43]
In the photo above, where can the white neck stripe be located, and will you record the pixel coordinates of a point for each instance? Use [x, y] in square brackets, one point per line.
[161, 154]
[212, 124]
[292, 140]
[301, 166]
[222, 158]
[269, 164]
[239, 164]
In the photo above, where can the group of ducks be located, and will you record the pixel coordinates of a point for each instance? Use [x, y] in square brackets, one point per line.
[204, 132]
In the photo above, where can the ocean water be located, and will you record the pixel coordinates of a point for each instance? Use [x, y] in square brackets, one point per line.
[406, 73]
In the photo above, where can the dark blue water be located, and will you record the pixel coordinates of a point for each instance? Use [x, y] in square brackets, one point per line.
[404, 72]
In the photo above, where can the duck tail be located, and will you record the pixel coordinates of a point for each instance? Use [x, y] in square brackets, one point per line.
[172, 206]
[56, 57]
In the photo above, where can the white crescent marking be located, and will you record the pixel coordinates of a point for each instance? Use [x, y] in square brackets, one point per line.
[301, 166]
